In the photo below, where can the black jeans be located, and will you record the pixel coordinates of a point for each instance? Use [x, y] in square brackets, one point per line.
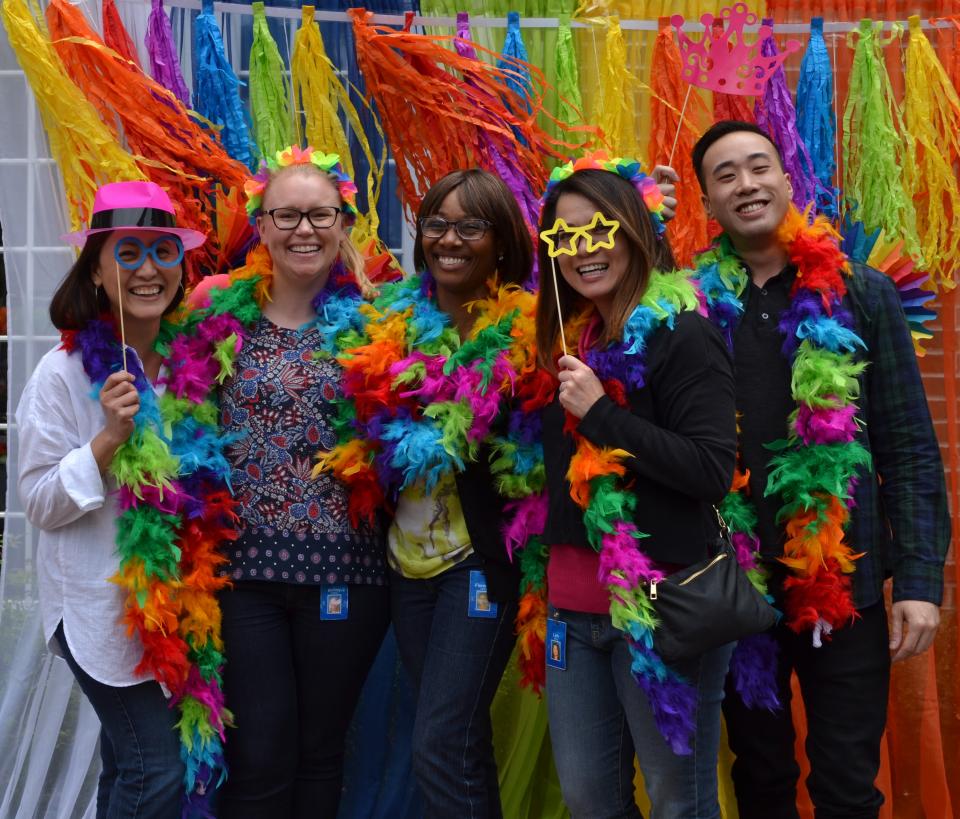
[844, 686]
[292, 682]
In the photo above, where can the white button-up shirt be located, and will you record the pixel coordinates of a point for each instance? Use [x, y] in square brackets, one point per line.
[76, 510]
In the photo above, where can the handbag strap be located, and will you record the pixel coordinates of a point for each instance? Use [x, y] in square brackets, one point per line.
[724, 529]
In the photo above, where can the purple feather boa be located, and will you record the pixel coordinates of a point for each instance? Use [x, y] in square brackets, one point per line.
[753, 669]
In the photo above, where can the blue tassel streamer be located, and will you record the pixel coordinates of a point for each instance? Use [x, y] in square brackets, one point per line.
[216, 89]
[514, 49]
[816, 120]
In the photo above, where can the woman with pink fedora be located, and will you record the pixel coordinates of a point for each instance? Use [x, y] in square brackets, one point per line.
[122, 471]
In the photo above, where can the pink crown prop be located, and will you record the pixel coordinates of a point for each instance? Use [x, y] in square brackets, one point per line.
[722, 60]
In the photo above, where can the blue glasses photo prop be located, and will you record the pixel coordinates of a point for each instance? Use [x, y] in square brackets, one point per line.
[130, 253]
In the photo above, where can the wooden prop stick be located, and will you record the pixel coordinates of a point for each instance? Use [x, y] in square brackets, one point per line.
[123, 335]
[556, 293]
[676, 138]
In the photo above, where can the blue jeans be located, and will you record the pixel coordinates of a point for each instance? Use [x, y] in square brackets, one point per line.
[599, 717]
[455, 663]
[142, 775]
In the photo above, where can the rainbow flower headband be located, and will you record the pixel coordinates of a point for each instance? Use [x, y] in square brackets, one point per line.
[328, 163]
[628, 169]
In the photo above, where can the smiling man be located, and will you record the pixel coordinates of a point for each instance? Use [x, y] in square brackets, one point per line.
[841, 480]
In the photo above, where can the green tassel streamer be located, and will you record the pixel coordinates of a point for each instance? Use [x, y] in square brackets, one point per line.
[269, 90]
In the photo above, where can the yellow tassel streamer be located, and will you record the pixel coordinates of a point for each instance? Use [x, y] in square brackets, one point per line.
[931, 113]
[83, 147]
[319, 92]
[614, 109]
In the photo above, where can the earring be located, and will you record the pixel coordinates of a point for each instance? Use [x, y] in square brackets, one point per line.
[500, 258]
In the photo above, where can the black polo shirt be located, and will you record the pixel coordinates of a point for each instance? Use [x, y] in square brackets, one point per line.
[764, 400]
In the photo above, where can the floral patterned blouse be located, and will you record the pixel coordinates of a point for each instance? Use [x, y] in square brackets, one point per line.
[294, 528]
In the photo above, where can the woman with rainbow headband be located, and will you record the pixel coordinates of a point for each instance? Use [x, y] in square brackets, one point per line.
[434, 374]
[308, 605]
[639, 442]
[122, 469]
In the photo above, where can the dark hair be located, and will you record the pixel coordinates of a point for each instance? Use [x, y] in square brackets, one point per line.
[616, 199]
[78, 300]
[719, 130]
[484, 196]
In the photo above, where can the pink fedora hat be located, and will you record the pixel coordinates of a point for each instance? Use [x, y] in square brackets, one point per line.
[134, 206]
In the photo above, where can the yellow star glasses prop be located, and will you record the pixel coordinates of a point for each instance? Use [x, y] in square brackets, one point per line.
[562, 239]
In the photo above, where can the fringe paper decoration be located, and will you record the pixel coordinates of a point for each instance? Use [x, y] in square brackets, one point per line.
[888, 257]
[115, 34]
[441, 111]
[216, 89]
[776, 115]
[931, 114]
[170, 147]
[513, 62]
[688, 232]
[876, 160]
[85, 150]
[525, 196]
[269, 93]
[321, 94]
[614, 108]
[568, 75]
[816, 119]
[164, 63]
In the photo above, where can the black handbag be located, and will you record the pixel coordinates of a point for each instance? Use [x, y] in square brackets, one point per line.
[707, 605]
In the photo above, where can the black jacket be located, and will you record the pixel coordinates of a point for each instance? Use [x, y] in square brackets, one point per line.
[681, 430]
[483, 513]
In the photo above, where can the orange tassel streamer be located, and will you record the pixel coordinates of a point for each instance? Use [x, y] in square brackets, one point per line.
[441, 112]
[688, 232]
[171, 149]
[115, 34]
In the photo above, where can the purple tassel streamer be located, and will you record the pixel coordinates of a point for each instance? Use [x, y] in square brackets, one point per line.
[754, 671]
[776, 115]
[164, 64]
[497, 163]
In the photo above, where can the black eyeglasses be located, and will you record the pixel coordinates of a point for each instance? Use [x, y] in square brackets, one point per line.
[470, 230]
[290, 218]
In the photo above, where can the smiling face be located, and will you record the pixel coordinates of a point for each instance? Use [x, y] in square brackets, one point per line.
[746, 189]
[302, 256]
[594, 274]
[146, 292]
[458, 266]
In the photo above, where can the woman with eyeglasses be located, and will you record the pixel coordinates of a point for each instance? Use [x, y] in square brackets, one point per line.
[430, 377]
[308, 605]
[121, 469]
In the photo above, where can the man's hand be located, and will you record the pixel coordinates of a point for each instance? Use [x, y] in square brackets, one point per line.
[921, 620]
[665, 176]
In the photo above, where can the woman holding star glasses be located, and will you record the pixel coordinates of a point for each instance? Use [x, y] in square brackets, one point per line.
[638, 443]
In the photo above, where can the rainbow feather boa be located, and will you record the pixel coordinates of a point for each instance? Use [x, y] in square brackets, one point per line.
[598, 485]
[418, 402]
[174, 513]
[816, 468]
